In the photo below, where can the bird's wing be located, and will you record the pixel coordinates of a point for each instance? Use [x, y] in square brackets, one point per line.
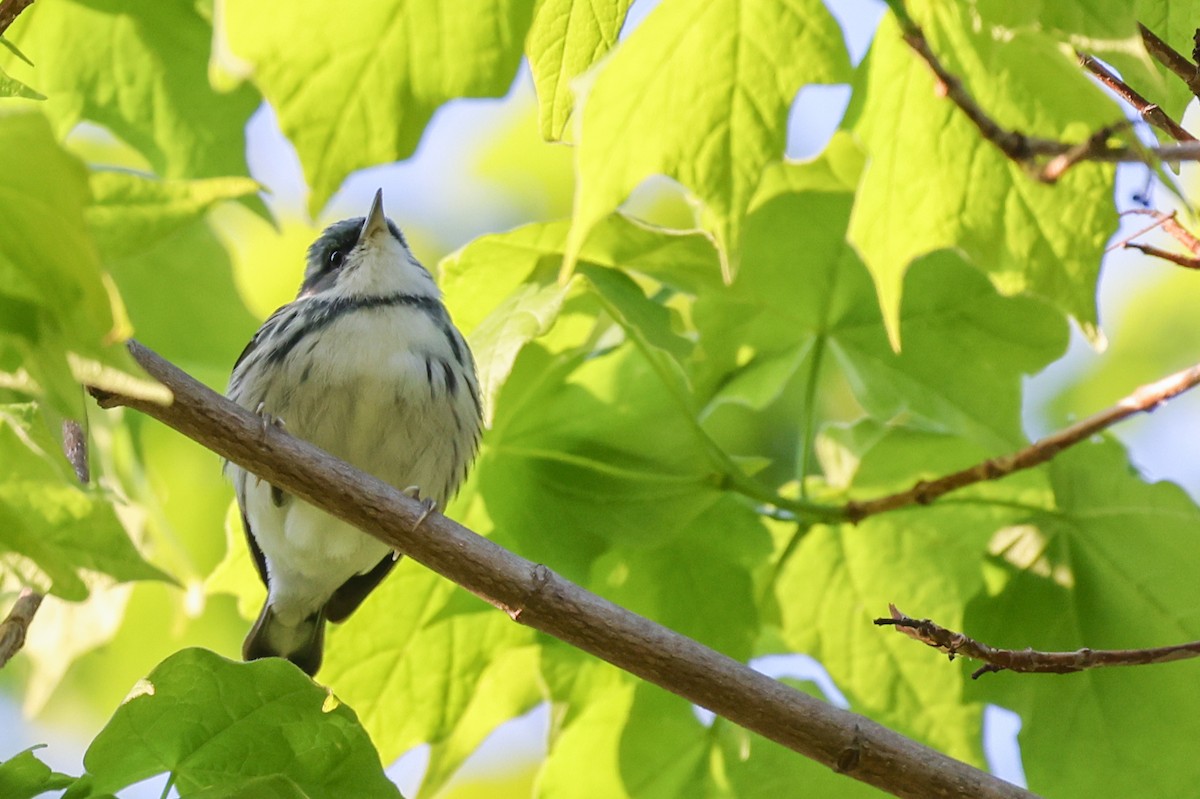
[350, 594]
[260, 560]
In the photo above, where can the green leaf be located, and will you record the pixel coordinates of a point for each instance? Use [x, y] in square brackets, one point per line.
[591, 702]
[839, 578]
[526, 314]
[1174, 23]
[729, 70]
[933, 183]
[521, 267]
[23, 776]
[356, 88]
[566, 38]
[425, 645]
[506, 689]
[12, 48]
[51, 529]
[803, 310]
[62, 316]
[11, 87]
[223, 727]
[596, 446]
[140, 68]
[1109, 567]
[131, 213]
[157, 240]
[671, 583]
[646, 322]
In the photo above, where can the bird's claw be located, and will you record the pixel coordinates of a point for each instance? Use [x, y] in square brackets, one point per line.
[267, 419]
[428, 506]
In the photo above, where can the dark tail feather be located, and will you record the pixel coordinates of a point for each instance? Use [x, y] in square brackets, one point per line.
[302, 644]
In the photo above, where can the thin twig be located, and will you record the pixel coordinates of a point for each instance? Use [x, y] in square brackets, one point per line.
[1086, 150]
[16, 624]
[12, 629]
[535, 596]
[10, 10]
[1171, 58]
[1179, 259]
[1160, 220]
[1146, 398]
[1030, 661]
[1151, 112]
[1014, 144]
[1045, 159]
[1171, 225]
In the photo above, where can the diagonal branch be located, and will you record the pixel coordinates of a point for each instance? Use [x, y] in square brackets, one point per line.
[1148, 111]
[534, 595]
[1170, 58]
[1030, 661]
[1046, 159]
[1145, 399]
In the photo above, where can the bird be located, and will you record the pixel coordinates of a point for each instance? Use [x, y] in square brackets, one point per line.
[366, 364]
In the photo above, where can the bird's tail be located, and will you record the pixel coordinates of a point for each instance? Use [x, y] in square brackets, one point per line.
[302, 644]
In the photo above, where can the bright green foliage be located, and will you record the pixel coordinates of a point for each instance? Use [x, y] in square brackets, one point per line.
[51, 529]
[1102, 569]
[140, 68]
[24, 776]
[726, 68]
[967, 195]
[566, 38]
[675, 420]
[58, 313]
[355, 85]
[223, 727]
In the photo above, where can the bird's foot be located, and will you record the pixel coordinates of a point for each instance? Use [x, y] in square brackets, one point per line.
[428, 506]
[267, 419]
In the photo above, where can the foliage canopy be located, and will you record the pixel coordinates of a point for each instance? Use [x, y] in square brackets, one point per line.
[676, 412]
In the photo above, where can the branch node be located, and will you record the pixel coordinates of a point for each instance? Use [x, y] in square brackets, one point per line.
[849, 758]
[539, 577]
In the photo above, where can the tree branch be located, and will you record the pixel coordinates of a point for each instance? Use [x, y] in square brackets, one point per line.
[1170, 58]
[12, 629]
[1148, 111]
[1047, 160]
[10, 10]
[535, 596]
[1171, 225]
[1030, 661]
[1145, 399]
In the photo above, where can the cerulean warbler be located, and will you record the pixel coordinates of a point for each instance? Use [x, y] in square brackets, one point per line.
[366, 364]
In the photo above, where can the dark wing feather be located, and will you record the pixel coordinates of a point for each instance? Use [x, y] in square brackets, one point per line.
[260, 560]
[351, 593]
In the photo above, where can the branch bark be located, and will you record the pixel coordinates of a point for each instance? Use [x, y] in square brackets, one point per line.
[1170, 58]
[1047, 160]
[10, 10]
[1145, 399]
[16, 623]
[1147, 110]
[535, 596]
[1030, 661]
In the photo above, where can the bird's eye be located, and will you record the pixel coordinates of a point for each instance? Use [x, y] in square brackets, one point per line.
[335, 258]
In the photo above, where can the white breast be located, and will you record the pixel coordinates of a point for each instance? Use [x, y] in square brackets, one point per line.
[361, 390]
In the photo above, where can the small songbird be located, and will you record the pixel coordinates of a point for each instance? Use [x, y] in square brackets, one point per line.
[366, 364]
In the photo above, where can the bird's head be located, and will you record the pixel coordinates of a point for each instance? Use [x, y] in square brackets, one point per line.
[365, 256]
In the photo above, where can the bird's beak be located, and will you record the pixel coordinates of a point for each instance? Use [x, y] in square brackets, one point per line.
[376, 220]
